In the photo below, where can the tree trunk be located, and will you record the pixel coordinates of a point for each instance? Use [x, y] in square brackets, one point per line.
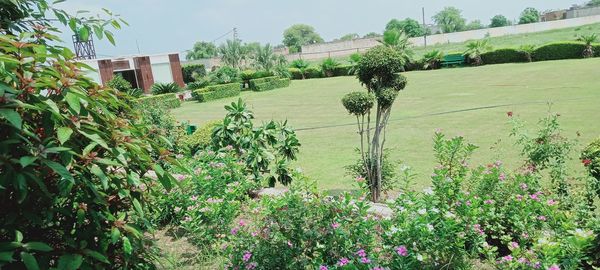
[588, 52]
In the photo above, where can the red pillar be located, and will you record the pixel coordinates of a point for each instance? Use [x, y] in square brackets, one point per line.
[176, 69]
[143, 71]
[106, 70]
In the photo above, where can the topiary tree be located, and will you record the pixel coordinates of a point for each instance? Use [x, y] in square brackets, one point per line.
[588, 52]
[378, 72]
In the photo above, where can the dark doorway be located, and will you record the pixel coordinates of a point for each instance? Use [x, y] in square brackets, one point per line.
[129, 75]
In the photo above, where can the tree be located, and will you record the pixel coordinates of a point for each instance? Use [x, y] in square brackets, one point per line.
[475, 49]
[298, 35]
[349, 37]
[499, 21]
[529, 15]
[371, 35]
[474, 25]
[409, 26]
[588, 40]
[398, 41]
[264, 58]
[378, 72]
[593, 3]
[202, 50]
[233, 53]
[450, 20]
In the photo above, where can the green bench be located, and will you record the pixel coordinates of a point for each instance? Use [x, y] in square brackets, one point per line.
[453, 60]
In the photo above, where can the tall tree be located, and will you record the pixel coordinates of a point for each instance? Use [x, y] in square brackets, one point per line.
[474, 25]
[593, 3]
[300, 34]
[499, 21]
[409, 26]
[232, 53]
[450, 19]
[202, 50]
[529, 15]
[398, 41]
[264, 58]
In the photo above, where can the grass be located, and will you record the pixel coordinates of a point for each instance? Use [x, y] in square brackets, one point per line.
[463, 101]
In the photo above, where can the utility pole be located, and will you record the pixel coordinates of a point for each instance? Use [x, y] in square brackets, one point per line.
[424, 28]
[235, 34]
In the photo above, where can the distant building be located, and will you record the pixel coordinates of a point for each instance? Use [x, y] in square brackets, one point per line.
[576, 12]
[142, 71]
[554, 15]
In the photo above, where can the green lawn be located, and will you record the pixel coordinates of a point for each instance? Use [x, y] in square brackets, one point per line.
[463, 101]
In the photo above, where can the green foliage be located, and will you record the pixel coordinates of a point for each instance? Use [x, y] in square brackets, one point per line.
[268, 83]
[344, 70]
[165, 88]
[409, 26]
[300, 34]
[74, 157]
[558, 50]
[313, 72]
[119, 83]
[499, 21]
[474, 25]
[501, 56]
[163, 128]
[529, 15]
[590, 157]
[328, 67]
[233, 53]
[358, 103]
[301, 65]
[264, 58]
[588, 40]
[398, 41]
[214, 92]
[348, 37]
[389, 182]
[433, 59]
[266, 149]
[168, 101]
[593, 3]
[202, 50]
[379, 64]
[475, 49]
[201, 138]
[371, 35]
[450, 19]
[198, 84]
[193, 71]
[225, 75]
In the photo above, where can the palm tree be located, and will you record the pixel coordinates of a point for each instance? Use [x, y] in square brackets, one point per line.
[264, 58]
[588, 40]
[399, 41]
[232, 53]
[528, 50]
[475, 49]
[432, 59]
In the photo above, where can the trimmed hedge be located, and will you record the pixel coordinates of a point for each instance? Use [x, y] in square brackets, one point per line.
[342, 70]
[501, 56]
[168, 101]
[188, 70]
[218, 91]
[295, 73]
[269, 83]
[558, 51]
[313, 72]
[597, 50]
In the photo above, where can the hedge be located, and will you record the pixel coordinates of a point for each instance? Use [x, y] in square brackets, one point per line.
[342, 70]
[168, 101]
[558, 51]
[188, 70]
[218, 91]
[269, 83]
[501, 56]
[597, 50]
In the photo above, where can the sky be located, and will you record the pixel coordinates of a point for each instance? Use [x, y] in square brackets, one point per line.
[161, 26]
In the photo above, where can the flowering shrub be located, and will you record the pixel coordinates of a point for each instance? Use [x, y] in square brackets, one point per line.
[304, 230]
[590, 158]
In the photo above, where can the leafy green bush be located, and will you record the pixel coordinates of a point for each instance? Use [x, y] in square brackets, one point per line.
[343, 70]
[590, 157]
[295, 74]
[501, 56]
[313, 73]
[225, 75]
[213, 92]
[201, 138]
[433, 59]
[193, 71]
[596, 49]
[328, 67]
[268, 83]
[198, 84]
[168, 101]
[119, 83]
[165, 88]
[558, 51]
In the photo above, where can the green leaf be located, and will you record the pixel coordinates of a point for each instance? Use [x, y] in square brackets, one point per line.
[84, 33]
[6, 256]
[100, 174]
[114, 235]
[27, 160]
[38, 246]
[96, 255]
[74, 102]
[52, 106]
[12, 117]
[73, 25]
[64, 133]
[70, 262]
[60, 169]
[127, 245]
[29, 261]
[138, 207]
[110, 37]
[21, 186]
[95, 138]
[18, 236]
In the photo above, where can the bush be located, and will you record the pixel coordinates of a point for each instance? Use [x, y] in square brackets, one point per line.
[590, 157]
[295, 73]
[191, 72]
[165, 88]
[501, 56]
[217, 92]
[225, 75]
[558, 51]
[343, 70]
[313, 73]
[268, 83]
[328, 66]
[596, 50]
[119, 83]
[201, 138]
[198, 84]
[167, 101]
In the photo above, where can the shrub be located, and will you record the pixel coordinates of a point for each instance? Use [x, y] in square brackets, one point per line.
[168, 101]
[388, 171]
[201, 138]
[590, 157]
[501, 56]
[198, 84]
[268, 83]
[432, 59]
[217, 92]
[165, 88]
[328, 67]
[343, 70]
[225, 75]
[313, 73]
[119, 83]
[262, 74]
[193, 71]
[295, 74]
[596, 49]
[558, 51]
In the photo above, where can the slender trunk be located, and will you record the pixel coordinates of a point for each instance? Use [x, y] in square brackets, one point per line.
[374, 158]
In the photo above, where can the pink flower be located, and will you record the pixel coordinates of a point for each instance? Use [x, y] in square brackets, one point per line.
[514, 244]
[523, 186]
[519, 197]
[542, 218]
[478, 229]
[522, 260]
[180, 177]
[534, 197]
[254, 234]
[554, 267]
[187, 219]
[365, 260]
[323, 267]
[502, 177]
[402, 251]
[335, 225]
[229, 147]
[235, 230]
[507, 258]
[194, 198]
[242, 223]
[289, 244]
[488, 201]
[343, 261]
[361, 253]
[247, 256]
[551, 202]
[251, 265]
[586, 162]
[360, 179]
[468, 203]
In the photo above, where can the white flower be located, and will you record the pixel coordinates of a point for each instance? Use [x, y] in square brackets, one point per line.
[449, 215]
[428, 191]
[419, 257]
[435, 210]
[394, 229]
[422, 211]
[430, 227]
